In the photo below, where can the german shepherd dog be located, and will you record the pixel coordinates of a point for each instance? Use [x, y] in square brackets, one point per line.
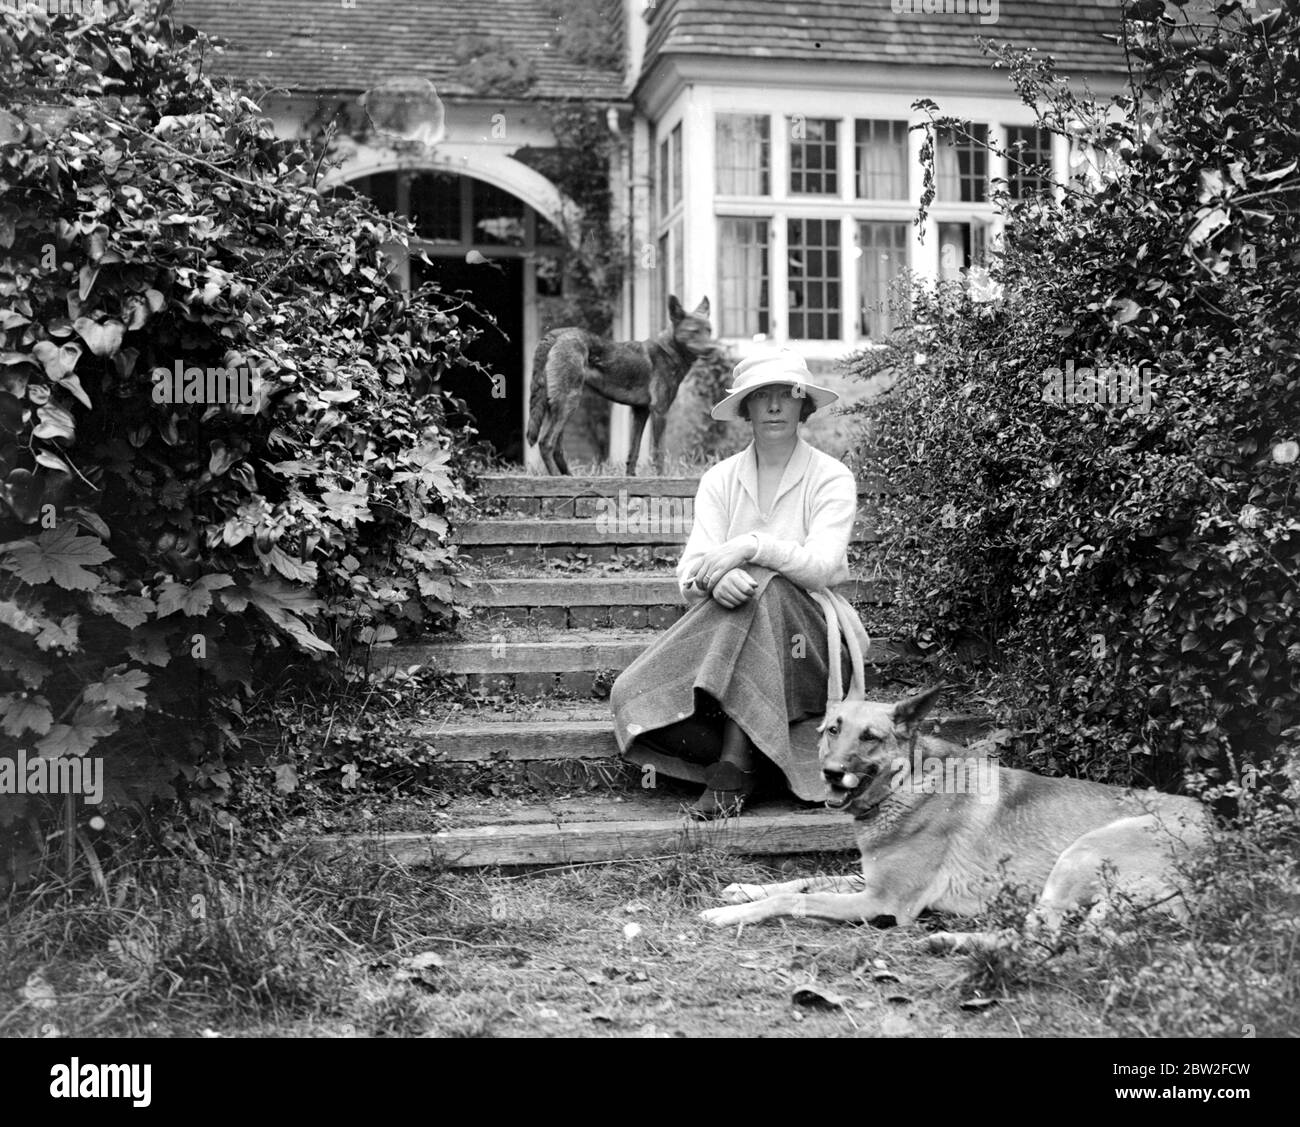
[644, 374]
[926, 843]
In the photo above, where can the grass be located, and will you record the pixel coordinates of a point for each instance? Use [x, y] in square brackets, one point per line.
[188, 943]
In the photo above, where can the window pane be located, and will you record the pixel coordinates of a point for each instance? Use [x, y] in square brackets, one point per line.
[435, 206]
[663, 179]
[962, 165]
[382, 189]
[884, 257]
[954, 250]
[675, 158]
[498, 216]
[1028, 147]
[742, 154]
[678, 273]
[814, 297]
[665, 276]
[813, 156]
[881, 160]
[743, 304]
[961, 245]
[547, 234]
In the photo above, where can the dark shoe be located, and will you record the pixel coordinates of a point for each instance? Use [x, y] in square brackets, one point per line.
[726, 787]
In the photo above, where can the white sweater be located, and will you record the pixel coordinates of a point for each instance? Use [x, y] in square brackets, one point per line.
[806, 534]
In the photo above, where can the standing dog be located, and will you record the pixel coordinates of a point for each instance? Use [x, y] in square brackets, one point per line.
[931, 839]
[644, 374]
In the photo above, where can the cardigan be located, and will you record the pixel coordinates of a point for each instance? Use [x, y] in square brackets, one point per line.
[804, 536]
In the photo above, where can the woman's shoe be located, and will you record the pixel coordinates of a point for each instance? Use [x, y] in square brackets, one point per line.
[726, 787]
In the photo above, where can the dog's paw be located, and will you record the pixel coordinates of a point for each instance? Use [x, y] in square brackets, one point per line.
[943, 942]
[725, 917]
[743, 893]
[971, 942]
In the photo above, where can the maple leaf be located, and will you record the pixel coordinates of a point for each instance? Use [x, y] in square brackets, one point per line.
[282, 604]
[20, 713]
[61, 634]
[296, 570]
[347, 507]
[130, 610]
[434, 588]
[58, 554]
[90, 724]
[30, 670]
[149, 647]
[120, 689]
[26, 620]
[196, 599]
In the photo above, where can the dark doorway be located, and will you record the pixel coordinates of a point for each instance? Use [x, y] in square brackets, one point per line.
[495, 287]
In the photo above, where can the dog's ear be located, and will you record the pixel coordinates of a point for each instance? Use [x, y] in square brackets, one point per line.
[675, 310]
[702, 310]
[909, 713]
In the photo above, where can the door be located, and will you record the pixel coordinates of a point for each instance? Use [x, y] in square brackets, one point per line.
[496, 287]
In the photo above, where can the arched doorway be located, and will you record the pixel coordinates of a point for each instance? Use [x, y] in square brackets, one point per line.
[479, 238]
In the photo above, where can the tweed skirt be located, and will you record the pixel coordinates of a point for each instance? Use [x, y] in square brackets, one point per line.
[763, 664]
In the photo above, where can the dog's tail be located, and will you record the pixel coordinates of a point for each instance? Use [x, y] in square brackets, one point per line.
[537, 393]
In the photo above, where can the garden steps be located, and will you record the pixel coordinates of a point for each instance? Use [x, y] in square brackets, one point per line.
[512, 650]
[535, 631]
[586, 732]
[605, 828]
[602, 591]
[576, 601]
[597, 531]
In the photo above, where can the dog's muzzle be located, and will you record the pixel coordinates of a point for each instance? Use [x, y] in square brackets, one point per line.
[847, 785]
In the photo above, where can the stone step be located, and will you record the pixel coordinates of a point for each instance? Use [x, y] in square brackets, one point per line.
[539, 486]
[582, 735]
[606, 828]
[583, 652]
[540, 559]
[576, 602]
[617, 531]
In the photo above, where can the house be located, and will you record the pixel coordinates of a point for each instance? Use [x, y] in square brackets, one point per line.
[759, 152]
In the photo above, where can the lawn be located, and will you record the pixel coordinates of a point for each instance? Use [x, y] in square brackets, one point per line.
[352, 947]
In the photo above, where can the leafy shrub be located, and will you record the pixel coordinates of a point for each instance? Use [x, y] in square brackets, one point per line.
[1135, 564]
[157, 558]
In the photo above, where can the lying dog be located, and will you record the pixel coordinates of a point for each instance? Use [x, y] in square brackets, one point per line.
[942, 829]
[645, 374]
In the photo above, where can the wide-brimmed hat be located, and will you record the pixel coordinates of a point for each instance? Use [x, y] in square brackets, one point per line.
[780, 367]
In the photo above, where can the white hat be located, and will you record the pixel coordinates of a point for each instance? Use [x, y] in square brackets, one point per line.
[773, 367]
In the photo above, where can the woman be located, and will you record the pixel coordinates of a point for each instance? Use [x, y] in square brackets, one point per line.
[747, 668]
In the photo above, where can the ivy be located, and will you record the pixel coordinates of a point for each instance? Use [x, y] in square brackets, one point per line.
[1135, 562]
[160, 559]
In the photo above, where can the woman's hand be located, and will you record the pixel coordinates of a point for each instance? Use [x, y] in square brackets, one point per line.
[735, 588]
[716, 563]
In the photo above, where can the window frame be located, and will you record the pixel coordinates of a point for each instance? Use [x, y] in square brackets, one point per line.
[829, 170]
[764, 168]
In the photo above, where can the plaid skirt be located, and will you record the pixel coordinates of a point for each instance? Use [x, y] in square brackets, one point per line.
[763, 664]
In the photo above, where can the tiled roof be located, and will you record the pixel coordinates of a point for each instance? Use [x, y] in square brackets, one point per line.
[321, 45]
[869, 31]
